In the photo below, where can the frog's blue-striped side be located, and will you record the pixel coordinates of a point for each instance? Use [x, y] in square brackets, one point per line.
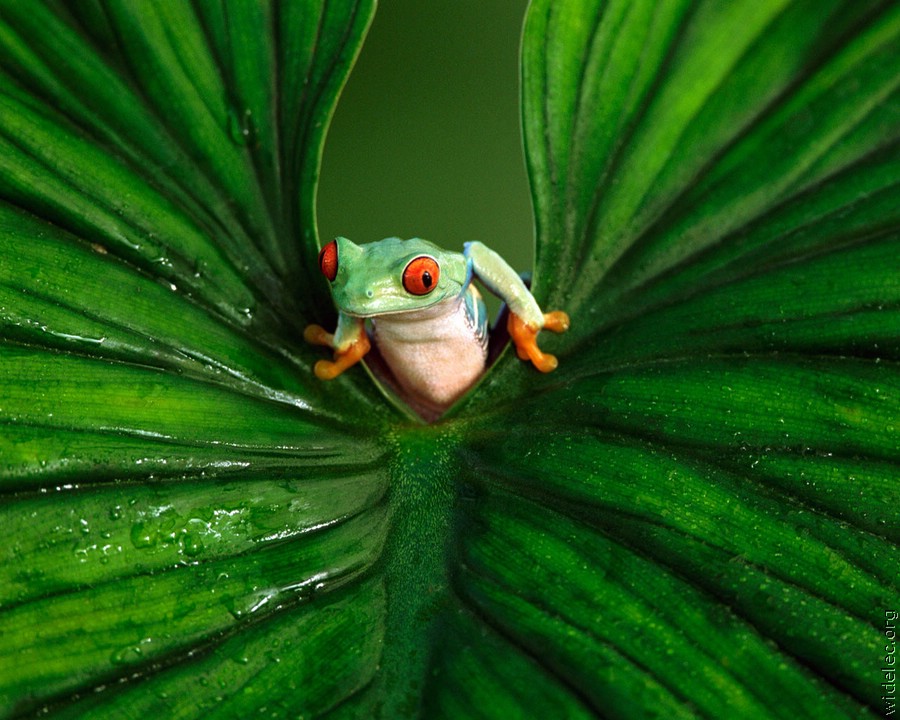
[476, 314]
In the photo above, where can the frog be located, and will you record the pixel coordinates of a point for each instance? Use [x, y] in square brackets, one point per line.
[428, 319]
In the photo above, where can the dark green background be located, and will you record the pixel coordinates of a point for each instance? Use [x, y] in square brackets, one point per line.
[426, 140]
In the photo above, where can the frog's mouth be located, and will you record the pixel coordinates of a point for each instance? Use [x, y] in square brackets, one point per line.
[419, 311]
[375, 309]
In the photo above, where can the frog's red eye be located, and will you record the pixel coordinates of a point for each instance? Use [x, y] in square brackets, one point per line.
[421, 275]
[328, 261]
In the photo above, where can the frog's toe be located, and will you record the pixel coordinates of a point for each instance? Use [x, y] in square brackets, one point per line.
[541, 360]
[545, 362]
[317, 335]
[556, 321]
[326, 370]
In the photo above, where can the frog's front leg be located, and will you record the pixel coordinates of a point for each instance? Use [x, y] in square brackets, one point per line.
[524, 336]
[526, 319]
[349, 342]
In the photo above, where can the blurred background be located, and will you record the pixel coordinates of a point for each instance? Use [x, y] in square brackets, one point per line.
[426, 139]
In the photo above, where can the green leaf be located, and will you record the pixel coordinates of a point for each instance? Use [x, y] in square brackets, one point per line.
[695, 515]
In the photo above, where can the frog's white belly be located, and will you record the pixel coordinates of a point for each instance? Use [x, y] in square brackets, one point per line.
[436, 354]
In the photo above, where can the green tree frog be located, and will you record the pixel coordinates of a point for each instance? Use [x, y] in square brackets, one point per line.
[428, 319]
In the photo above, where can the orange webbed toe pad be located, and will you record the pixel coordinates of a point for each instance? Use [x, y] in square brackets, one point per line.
[317, 335]
[524, 336]
[556, 321]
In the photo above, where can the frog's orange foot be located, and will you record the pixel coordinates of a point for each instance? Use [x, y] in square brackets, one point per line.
[556, 321]
[524, 336]
[317, 335]
[330, 369]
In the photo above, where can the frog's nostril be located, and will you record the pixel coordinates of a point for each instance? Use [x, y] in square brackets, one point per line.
[370, 293]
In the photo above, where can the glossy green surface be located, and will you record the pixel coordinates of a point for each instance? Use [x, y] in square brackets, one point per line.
[695, 515]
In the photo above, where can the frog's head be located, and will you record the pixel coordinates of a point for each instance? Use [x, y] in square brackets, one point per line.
[391, 275]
